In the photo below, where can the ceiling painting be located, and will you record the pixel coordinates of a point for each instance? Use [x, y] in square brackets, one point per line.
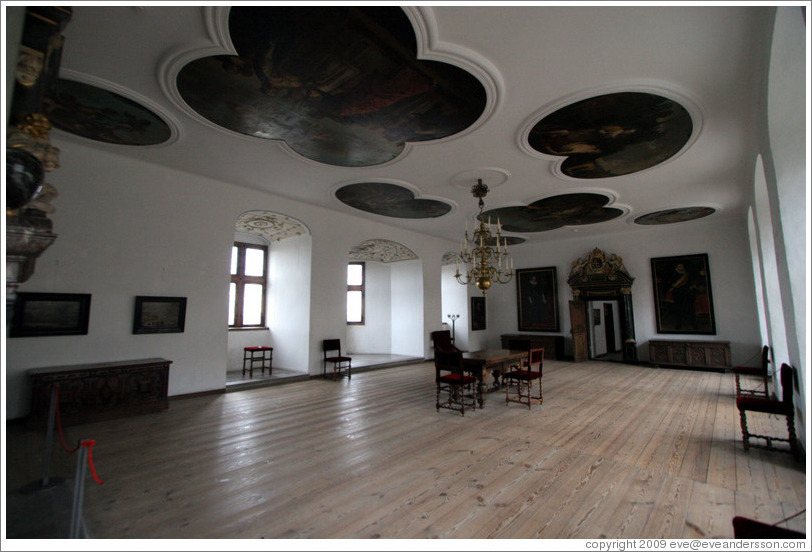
[554, 212]
[340, 85]
[381, 251]
[92, 112]
[271, 226]
[613, 134]
[670, 216]
[390, 200]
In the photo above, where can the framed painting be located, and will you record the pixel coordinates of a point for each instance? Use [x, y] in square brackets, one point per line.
[43, 314]
[159, 315]
[683, 301]
[537, 299]
[477, 313]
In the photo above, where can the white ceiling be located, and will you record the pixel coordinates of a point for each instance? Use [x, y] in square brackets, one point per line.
[532, 60]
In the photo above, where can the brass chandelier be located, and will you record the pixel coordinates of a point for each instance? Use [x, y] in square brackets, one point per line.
[484, 264]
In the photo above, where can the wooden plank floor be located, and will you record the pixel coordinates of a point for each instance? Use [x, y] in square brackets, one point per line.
[615, 451]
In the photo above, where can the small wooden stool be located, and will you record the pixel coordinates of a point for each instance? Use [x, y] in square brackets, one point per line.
[253, 355]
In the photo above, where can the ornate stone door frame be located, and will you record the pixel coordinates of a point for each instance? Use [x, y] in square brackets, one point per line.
[603, 277]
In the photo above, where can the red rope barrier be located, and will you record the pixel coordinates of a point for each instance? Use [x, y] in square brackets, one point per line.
[89, 444]
[59, 423]
[86, 443]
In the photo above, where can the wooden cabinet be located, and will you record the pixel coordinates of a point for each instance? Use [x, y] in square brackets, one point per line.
[691, 354]
[101, 391]
[553, 344]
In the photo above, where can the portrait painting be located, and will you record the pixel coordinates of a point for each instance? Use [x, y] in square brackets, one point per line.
[478, 313]
[537, 299]
[683, 301]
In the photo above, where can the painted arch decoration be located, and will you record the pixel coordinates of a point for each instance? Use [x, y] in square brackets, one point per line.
[381, 251]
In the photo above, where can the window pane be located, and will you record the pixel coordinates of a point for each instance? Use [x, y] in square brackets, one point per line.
[354, 306]
[355, 275]
[232, 300]
[252, 305]
[234, 253]
[254, 262]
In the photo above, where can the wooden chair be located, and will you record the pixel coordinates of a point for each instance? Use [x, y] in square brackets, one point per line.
[522, 379]
[442, 341]
[762, 372]
[452, 380]
[342, 365]
[784, 407]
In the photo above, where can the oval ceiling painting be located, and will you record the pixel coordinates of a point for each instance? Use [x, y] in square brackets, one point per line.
[554, 212]
[340, 85]
[92, 112]
[670, 216]
[390, 200]
[613, 134]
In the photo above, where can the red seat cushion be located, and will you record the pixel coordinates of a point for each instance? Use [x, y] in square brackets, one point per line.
[748, 370]
[257, 348]
[758, 404]
[523, 375]
[456, 379]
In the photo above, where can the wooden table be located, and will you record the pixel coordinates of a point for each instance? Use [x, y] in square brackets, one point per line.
[487, 362]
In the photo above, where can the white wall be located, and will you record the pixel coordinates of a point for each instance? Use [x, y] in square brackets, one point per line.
[455, 301]
[375, 335]
[128, 228]
[407, 308]
[289, 302]
[724, 241]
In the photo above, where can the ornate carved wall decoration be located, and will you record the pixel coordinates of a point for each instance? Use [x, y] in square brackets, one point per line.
[602, 276]
[381, 251]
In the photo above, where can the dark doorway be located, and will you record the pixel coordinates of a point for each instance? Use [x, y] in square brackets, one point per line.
[609, 326]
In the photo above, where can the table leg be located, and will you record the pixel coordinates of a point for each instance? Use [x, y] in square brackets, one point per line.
[481, 388]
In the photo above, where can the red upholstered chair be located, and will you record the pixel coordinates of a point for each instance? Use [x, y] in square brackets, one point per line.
[519, 382]
[784, 407]
[341, 365]
[762, 372]
[454, 382]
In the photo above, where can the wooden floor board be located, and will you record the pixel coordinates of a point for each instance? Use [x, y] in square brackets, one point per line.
[615, 451]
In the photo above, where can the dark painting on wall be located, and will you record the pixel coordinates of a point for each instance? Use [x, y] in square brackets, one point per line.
[159, 315]
[683, 301]
[477, 313]
[537, 298]
[43, 314]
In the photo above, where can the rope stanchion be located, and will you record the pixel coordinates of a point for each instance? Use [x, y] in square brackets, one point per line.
[89, 444]
[59, 424]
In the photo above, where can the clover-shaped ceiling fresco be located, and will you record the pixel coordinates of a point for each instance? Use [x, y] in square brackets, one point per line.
[554, 212]
[670, 216]
[98, 114]
[340, 85]
[390, 200]
[613, 134]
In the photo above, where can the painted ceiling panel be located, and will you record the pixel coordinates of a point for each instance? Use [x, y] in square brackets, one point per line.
[98, 114]
[390, 200]
[613, 134]
[341, 86]
[554, 212]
